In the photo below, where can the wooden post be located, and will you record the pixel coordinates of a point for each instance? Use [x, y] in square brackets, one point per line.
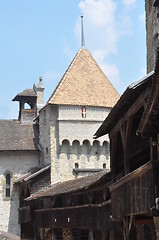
[71, 234]
[153, 143]
[53, 234]
[105, 235]
[91, 235]
[156, 223]
[113, 146]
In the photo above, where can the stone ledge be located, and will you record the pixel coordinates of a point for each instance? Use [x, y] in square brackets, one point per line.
[80, 170]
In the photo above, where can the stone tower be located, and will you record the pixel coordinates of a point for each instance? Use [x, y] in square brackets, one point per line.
[77, 107]
[152, 31]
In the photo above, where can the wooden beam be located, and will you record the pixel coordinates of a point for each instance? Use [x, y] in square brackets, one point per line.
[80, 218]
[143, 221]
[141, 170]
[132, 110]
[113, 146]
[154, 146]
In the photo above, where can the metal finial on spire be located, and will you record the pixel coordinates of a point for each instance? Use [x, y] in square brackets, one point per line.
[82, 33]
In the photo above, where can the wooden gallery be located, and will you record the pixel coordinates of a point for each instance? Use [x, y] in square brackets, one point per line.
[120, 204]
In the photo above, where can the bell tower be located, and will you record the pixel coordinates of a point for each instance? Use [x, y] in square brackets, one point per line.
[152, 31]
[30, 102]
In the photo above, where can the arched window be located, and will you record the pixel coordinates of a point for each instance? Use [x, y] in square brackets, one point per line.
[75, 147]
[96, 145]
[27, 106]
[8, 185]
[86, 147]
[65, 148]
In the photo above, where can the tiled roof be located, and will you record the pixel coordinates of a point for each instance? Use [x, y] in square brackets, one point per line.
[16, 136]
[33, 173]
[84, 84]
[69, 186]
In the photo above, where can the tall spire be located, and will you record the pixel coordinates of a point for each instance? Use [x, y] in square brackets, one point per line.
[82, 34]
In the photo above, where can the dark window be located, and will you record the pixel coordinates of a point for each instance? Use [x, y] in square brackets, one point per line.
[76, 165]
[8, 185]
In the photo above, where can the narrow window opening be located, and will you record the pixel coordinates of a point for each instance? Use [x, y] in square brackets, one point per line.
[104, 165]
[47, 150]
[8, 185]
[76, 165]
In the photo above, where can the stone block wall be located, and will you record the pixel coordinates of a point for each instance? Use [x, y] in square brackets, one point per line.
[16, 164]
[48, 133]
[73, 161]
[67, 140]
[152, 33]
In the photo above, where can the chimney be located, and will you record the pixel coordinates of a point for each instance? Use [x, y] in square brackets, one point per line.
[39, 90]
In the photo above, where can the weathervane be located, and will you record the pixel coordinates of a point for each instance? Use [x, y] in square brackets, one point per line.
[82, 34]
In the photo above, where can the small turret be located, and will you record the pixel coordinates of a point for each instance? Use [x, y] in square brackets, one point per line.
[27, 105]
[30, 102]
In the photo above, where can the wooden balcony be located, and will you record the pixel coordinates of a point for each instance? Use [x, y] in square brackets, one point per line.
[135, 193]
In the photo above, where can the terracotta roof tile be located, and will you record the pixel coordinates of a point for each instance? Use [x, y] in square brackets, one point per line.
[84, 84]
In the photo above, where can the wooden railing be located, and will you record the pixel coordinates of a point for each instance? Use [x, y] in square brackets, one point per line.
[135, 192]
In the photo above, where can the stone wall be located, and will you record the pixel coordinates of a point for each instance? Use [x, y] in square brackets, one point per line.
[67, 141]
[48, 133]
[16, 164]
[73, 127]
[152, 33]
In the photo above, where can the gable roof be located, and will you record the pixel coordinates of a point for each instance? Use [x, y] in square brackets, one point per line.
[16, 136]
[84, 84]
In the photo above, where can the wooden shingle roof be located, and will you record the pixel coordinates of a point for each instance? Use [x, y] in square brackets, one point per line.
[70, 186]
[26, 93]
[84, 84]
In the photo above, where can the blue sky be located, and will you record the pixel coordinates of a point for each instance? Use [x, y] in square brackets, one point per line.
[40, 38]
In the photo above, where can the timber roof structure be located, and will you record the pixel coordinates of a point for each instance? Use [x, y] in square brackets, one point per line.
[126, 100]
[16, 136]
[149, 121]
[70, 186]
[84, 84]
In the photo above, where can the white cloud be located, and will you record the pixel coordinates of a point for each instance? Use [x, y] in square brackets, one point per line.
[99, 24]
[129, 2]
[110, 70]
[104, 25]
